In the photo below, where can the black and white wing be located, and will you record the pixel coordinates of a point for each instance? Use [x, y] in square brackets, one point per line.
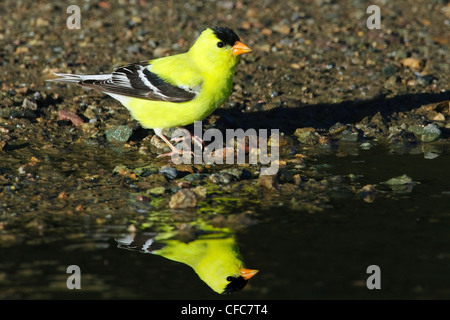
[133, 80]
[144, 243]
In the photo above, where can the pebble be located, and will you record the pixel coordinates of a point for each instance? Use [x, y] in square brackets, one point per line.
[389, 70]
[306, 135]
[349, 135]
[425, 80]
[29, 104]
[145, 171]
[169, 172]
[392, 81]
[225, 5]
[269, 182]
[156, 191]
[428, 133]
[158, 142]
[365, 145]
[239, 174]
[412, 63]
[184, 198]
[2, 145]
[195, 177]
[403, 179]
[221, 178]
[337, 128]
[121, 133]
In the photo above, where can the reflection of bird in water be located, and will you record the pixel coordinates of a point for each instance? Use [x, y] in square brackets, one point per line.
[215, 260]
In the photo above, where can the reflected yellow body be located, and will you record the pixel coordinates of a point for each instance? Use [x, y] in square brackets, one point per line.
[214, 260]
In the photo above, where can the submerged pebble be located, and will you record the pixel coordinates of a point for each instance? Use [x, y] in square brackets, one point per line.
[169, 172]
[184, 198]
[121, 133]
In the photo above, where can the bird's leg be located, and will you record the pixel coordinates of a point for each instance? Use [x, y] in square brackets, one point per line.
[174, 150]
[199, 142]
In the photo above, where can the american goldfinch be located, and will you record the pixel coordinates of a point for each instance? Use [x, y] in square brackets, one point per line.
[176, 90]
[215, 260]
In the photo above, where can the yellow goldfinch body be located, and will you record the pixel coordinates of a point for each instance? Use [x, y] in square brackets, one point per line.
[175, 90]
[215, 86]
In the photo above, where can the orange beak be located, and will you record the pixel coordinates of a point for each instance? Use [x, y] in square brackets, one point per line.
[247, 273]
[240, 48]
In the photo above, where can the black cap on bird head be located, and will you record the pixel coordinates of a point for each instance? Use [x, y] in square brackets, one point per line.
[235, 285]
[225, 35]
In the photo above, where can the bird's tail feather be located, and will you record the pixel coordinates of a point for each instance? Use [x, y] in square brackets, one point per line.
[75, 78]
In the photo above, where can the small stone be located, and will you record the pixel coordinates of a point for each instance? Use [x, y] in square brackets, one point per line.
[225, 5]
[29, 104]
[417, 130]
[158, 143]
[349, 135]
[430, 133]
[389, 70]
[184, 198]
[156, 191]
[122, 170]
[145, 171]
[221, 178]
[200, 191]
[121, 133]
[404, 179]
[269, 182]
[425, 80]
[195, 177]
[283, 29]
[266, 32]
[239, 174]
[391, 82]
[443, 107]
[435, 116]
[169, 172]
[412, 63]
[337, 128]
[306, 135]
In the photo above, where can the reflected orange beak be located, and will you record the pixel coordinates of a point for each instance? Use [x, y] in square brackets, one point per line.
[247, 273]
[240, 48]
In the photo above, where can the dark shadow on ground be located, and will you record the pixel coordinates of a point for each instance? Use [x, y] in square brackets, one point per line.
[322, 116]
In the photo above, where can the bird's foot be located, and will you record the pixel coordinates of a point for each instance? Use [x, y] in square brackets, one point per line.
[188, 137]
[177, 152]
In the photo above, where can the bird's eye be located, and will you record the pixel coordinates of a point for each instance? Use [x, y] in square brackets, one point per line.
[230, 278]
[220, 44]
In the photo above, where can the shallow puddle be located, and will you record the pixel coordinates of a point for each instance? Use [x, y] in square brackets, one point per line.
[324, 254]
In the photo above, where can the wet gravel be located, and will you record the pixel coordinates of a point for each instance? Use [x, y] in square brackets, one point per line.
[71, 157]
